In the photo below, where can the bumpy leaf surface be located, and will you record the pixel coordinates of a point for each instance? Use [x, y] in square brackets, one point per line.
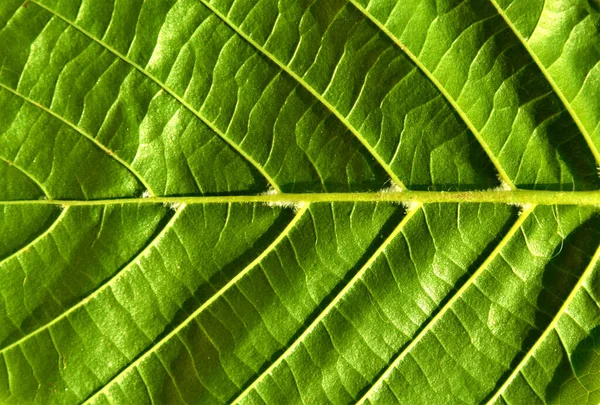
[299, 201]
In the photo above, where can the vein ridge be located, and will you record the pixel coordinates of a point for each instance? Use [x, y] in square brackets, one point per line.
[311, 90]
[101, 288]
[185, 104]
[501, 196]
[207, 303]
[501, 172]
[89, 137]
[584, 132]
[429, 324]
[42, 235]
[410, 213]
[551, 326]
[28, 175]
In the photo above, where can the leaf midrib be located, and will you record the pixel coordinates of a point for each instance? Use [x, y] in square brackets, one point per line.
[515, 197]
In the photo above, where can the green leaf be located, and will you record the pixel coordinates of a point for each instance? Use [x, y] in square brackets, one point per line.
[290, 201]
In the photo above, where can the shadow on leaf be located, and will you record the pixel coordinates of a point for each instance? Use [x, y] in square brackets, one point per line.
[560, 275]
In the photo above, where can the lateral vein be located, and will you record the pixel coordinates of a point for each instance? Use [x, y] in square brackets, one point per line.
[41, 236]
[310, 89]
[501, 172]
[184, 103]
[429, 325]
[208, 302]
[103, 287]
[28, 175]
[358, 276]
[89, 137]
[584, 132]
[551, 326]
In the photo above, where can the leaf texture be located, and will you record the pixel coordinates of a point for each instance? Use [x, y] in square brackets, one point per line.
[299, 201]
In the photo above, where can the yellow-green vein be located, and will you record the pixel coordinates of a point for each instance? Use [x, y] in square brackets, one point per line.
[28, 175]
[551, 326]
[208, 302]
[518, 197]
[410, 213]
[557, 90]
[103, 287]
[41, 236]
[312, 91]
[105, 149]
[427, 328]
[184, 103]
[501, 172]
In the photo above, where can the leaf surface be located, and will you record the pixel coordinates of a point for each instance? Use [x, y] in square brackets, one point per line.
[284, 201]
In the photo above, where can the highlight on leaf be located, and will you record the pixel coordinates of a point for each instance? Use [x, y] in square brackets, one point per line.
[334, 201]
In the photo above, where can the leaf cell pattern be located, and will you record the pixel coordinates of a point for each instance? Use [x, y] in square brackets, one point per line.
[235, 201]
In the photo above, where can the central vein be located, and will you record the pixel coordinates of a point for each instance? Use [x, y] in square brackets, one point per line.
[518, 197]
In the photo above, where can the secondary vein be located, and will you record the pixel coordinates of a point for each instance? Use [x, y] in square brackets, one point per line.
[105, 149]
[312, 91]
[584, 132]
[166, 89]
[549, 328]
[41, 236]
[348, 287]
[430, 324]
[103, 287]
[208, 302]
[28, 175]
[501, 172]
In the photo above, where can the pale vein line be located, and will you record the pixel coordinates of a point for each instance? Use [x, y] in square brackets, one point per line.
[428, 327]
[358, 276]
[208, 302]
[503, 175]
[28, 175]
[103, 287]
[310, 89]
[588, 271]
[523, 197]
[185, 104]
[586, 135]
[54, 224]
[105, 149]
